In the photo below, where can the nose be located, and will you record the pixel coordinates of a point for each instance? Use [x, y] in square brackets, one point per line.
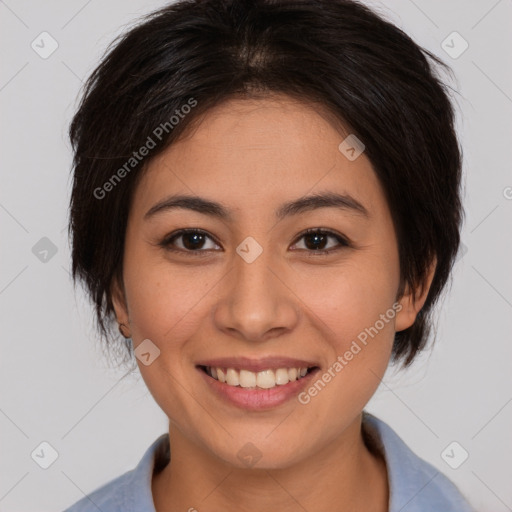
[256, 303]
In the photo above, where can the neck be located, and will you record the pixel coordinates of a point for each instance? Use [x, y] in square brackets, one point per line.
[345, 475]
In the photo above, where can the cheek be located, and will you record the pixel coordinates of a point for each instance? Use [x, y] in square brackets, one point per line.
[162, 297]
[354, 311]
[166, 306]
[351, 297]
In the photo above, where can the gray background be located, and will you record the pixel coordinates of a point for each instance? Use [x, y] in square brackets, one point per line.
[56, 386]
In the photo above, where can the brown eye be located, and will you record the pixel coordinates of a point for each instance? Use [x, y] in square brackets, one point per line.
[316, 241]
[321, 241]
[191, 240]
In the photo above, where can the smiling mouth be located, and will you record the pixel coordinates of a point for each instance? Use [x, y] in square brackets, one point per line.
[265, 379]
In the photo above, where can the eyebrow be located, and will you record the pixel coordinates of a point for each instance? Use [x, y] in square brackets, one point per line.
[214, 209]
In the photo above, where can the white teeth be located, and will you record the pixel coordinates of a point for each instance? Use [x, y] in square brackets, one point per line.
[265, 379]
[247, 379]
[232, 377]
[282, 376]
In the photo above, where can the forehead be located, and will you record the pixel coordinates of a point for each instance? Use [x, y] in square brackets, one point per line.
[244, 152]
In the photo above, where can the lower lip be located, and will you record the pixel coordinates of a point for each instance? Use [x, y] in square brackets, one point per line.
[257, 399]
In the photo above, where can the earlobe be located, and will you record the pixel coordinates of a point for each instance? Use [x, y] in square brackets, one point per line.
[413, 300]
[119, 302]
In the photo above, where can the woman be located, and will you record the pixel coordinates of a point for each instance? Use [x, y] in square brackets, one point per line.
[266, 204]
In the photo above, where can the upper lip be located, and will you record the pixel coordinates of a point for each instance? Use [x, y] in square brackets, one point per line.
[257, 365]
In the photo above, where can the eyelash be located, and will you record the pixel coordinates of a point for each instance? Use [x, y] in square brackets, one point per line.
[167, 242]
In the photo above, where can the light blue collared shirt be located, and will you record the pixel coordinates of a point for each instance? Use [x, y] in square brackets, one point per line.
[414, 484]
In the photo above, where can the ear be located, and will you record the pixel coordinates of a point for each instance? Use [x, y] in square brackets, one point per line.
[119, 302]
[413, 300]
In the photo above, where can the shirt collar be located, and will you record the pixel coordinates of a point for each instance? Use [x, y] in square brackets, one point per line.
[413, 483]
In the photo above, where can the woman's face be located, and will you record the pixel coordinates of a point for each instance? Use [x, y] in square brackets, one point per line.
[247, 290]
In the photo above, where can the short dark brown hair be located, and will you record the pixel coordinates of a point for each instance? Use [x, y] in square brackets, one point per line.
[364, 70]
